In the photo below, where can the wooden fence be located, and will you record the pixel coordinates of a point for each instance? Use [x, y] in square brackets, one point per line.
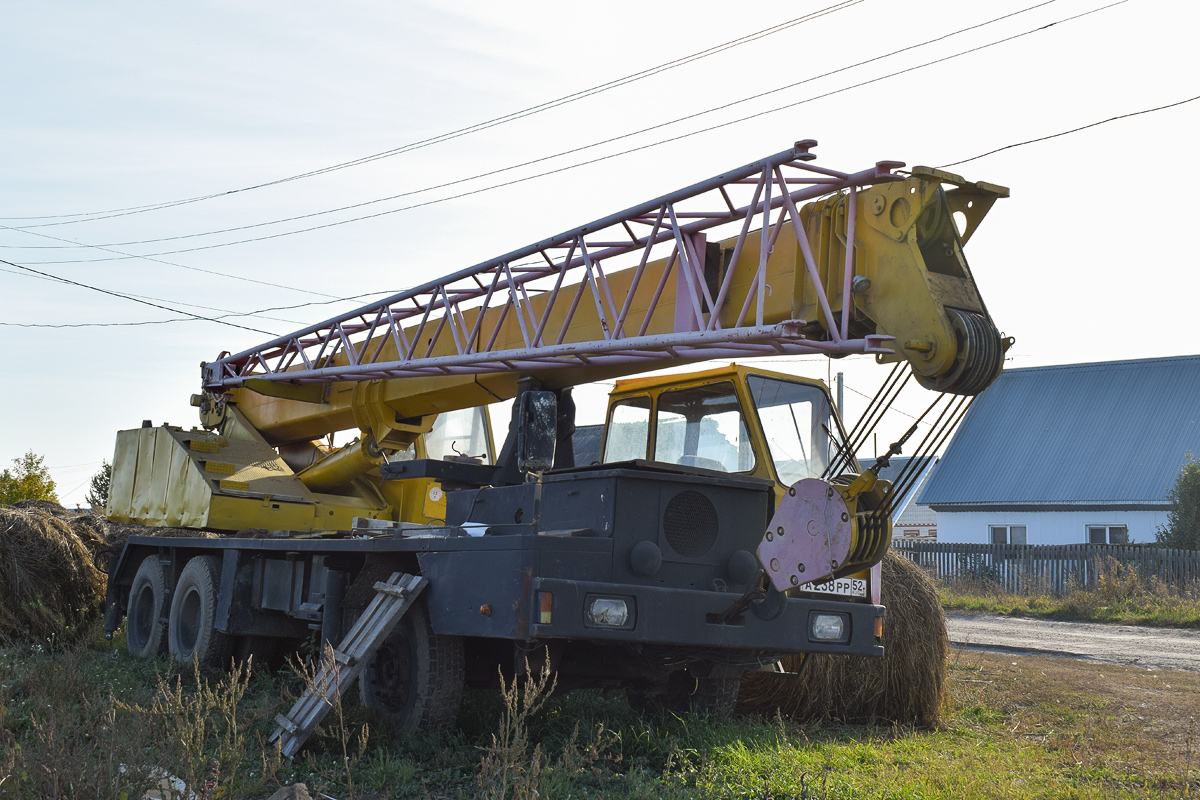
[1030, 568]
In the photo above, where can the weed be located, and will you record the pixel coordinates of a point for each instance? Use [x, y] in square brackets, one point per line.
[323, 679]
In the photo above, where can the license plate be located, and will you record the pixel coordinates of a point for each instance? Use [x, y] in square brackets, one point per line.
[848, 587]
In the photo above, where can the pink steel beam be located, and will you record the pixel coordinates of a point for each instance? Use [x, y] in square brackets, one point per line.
[503, 284]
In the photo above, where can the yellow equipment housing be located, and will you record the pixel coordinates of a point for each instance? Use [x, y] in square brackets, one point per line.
[910, 282]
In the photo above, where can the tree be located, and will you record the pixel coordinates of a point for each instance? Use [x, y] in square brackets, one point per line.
[97, 495]
[1182, 530]
[28, 480]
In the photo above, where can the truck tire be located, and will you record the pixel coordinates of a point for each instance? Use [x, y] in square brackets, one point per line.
[685, 694]
[192, 634]
[415, 681]
[145, 632]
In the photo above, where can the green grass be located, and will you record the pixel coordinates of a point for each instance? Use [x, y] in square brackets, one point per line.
[1165, 611]
[1119, 595]
[94, 722]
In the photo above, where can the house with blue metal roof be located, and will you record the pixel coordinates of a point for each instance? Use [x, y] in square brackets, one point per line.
[910, 520]
[1069, 454]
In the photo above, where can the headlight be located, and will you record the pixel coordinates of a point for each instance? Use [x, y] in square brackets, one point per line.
[828, 627]
[609, 612]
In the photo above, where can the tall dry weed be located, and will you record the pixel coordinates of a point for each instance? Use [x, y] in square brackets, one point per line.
[510, 770]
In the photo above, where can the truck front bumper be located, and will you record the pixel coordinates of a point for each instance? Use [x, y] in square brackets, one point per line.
[691, 618]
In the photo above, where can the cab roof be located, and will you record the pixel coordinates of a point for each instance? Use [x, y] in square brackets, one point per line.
[641, 384]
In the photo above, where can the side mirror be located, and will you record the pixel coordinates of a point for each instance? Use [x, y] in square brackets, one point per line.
[537, 430]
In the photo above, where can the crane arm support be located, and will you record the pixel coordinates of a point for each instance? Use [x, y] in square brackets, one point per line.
[813, 261]
[465, 314]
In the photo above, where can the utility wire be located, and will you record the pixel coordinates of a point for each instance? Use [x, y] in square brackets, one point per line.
[1073, 130]
[531, 162]
[475, 128]
[108, 249]
[630, 150]
[225, 311]
[135, 299]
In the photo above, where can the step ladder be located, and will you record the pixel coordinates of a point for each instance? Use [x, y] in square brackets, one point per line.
[392, 600]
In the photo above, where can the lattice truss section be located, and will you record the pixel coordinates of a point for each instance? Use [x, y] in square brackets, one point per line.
[626, 289]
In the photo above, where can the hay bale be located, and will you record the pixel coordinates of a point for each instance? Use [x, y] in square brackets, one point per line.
[49, 585]
[53, 564]
[906, 686]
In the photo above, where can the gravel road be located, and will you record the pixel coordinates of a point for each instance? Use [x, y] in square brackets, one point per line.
[1152, 648]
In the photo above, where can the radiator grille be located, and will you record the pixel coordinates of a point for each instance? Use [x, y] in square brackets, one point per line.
[690, 524]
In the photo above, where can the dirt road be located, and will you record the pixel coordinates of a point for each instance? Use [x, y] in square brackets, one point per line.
[1151, 648]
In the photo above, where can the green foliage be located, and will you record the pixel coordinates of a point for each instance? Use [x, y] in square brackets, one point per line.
[97, 495]
[1182, 530]
[92, 721]
[28, 480]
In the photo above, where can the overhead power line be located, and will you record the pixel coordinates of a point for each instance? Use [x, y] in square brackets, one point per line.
[108, 249]
[528, 163]
[1072, 130]
[475, 128]
[131, 298]
[645, 146]
[225, 311]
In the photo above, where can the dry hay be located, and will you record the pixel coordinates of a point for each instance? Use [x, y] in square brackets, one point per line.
[114, 540]
[49, 585]
[907, 686]
[52, 568]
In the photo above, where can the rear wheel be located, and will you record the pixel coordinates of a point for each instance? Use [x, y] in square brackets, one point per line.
[192, 634]
[415, 680]
[145, 632]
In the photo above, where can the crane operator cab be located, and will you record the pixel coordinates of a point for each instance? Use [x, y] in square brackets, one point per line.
[768, 425]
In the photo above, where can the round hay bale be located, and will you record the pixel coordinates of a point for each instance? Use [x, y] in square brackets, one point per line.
[49, 585]
[907, 686]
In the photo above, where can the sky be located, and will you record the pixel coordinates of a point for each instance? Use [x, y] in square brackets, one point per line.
[121, 106]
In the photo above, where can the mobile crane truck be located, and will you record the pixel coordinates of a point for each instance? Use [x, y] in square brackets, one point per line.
[704, 542]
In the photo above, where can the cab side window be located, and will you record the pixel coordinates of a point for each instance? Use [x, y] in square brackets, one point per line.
[628, 436]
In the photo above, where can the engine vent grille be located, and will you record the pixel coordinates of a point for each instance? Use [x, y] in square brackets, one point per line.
[690, 524]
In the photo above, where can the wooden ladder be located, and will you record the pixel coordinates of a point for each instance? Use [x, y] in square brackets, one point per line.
[392, 599]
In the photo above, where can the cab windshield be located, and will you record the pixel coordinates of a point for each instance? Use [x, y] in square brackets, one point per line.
[703, 427]
[801, 433]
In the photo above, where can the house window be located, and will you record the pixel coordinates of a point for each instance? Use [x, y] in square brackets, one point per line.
[1007, 534]
[1108, 534]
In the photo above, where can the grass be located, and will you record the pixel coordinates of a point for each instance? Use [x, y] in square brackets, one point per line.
[1119, 596]
[93, 722]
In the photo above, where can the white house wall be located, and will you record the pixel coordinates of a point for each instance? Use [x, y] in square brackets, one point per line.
[1045, 527]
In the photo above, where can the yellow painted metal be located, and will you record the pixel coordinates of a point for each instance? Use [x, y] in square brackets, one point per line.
[342, 466]
[169, 477]
[905, 299]
[236, 478]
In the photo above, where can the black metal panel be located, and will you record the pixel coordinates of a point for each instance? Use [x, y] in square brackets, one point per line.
[450, 473]
[571, 501]
[479, 593]
[583, 558]
[681, 618]
[497, 505]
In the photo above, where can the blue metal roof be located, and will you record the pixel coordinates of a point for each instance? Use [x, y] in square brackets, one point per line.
[586, 441]
[897, 465]
[1106, 435]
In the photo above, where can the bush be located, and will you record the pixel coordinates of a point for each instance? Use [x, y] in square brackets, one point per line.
[28, 480]
[1182, 530]
[101, 483]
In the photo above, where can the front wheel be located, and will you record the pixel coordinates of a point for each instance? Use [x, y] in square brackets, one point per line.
[415, 680]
